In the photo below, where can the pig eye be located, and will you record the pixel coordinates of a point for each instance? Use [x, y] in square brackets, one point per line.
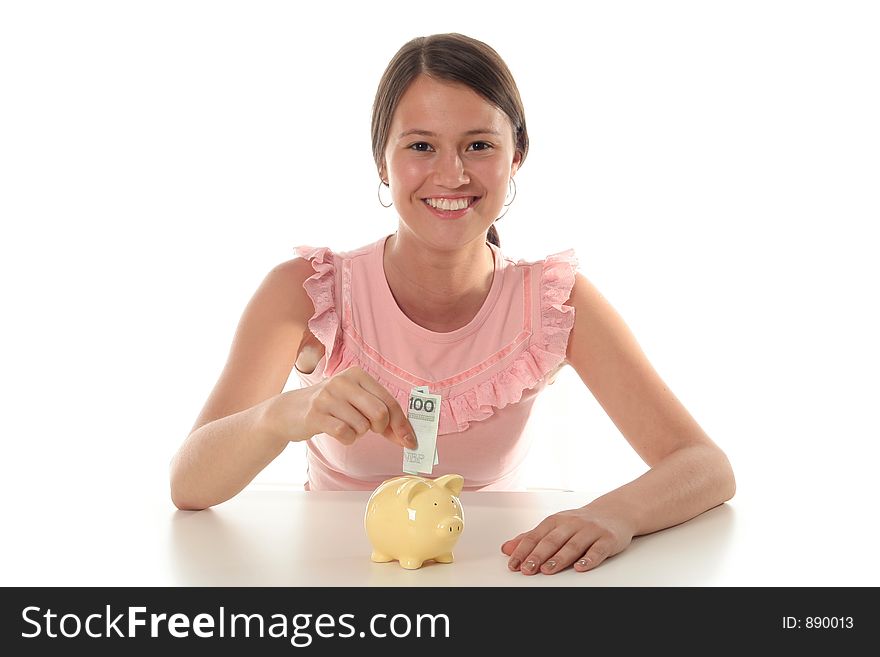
[435, 504]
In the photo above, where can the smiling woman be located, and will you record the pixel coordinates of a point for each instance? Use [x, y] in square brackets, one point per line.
[455, 172]
[460, 84]
[438, 305]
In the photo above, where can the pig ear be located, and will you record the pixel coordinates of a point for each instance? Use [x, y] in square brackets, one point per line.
[409, 489]
[451, 482]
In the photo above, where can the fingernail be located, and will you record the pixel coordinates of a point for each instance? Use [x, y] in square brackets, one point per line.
[584, 562]
[550, 565]
[411, 441]
[513, 564]
[530, 565]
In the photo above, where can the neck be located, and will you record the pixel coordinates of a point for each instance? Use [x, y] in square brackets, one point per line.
[437, 289]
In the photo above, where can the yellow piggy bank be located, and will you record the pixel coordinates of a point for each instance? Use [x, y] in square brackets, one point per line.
[415, 519]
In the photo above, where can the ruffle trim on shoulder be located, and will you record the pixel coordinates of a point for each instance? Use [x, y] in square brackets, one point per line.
[321, 286]
[557, 319]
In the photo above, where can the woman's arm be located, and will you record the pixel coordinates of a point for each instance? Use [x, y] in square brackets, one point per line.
[248, 420]
[688, 472]
[232, 441]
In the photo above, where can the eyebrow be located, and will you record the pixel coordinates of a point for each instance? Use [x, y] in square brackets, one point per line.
[428, 133]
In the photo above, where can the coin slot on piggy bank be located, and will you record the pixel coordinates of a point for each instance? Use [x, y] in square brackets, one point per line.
[414, 519]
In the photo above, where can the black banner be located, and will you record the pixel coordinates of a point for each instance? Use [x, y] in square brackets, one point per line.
[270, 621]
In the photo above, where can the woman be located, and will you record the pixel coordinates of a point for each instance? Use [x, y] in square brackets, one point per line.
[437, 304]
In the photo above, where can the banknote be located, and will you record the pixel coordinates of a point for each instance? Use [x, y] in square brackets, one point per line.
[424, 416]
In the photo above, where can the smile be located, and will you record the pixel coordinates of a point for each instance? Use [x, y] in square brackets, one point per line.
[450, 204]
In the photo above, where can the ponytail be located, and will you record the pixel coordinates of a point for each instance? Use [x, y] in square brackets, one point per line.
[492, 236]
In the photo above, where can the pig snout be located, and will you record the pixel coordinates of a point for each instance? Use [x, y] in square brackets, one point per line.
[450, 527]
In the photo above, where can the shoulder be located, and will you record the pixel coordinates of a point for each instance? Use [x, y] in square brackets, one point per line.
[585, 296]
[602, 346]
[594, 314]
[287, 278]
[282, 296]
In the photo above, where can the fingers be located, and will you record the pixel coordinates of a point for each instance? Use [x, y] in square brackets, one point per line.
[343, 422]
[522, 545]
[386, 415]
[537, 546]
[509, 546]
[598, 552]
[564, 556]
[554, 546]
[352, 402]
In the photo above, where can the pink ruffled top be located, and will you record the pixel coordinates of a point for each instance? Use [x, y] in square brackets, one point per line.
[487, 372]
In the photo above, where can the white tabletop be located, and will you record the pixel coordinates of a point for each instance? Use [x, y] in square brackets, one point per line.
[295, 538]
[289, 537]
[318, 539]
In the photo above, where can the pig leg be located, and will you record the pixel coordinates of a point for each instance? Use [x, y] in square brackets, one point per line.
[410, 563]
[444, 558]
[380, 557]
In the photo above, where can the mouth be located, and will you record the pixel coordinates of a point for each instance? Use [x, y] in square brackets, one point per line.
[450, 208]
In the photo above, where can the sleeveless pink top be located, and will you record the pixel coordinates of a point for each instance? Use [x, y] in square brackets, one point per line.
[487, 372]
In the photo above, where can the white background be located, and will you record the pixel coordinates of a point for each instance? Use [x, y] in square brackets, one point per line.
[715, 166]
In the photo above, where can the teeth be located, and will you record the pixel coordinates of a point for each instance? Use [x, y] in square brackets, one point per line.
[448, 204]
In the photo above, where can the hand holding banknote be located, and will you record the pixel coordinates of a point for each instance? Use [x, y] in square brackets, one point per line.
[346, 406]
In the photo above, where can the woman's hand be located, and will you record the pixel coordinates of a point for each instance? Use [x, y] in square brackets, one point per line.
[584, 537]
[345, 406]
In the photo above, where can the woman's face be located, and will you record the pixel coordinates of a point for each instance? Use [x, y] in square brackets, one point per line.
[449, 158]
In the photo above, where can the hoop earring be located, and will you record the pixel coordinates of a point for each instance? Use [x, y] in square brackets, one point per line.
[510, 202]
[379, 194]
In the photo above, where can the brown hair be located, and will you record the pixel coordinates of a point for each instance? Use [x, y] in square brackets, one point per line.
[454, 58]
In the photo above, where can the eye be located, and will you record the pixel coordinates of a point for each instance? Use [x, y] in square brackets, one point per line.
[421, 147]
[484, 146]
[435, 504]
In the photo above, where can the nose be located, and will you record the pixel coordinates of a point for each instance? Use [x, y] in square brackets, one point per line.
[451, 526]
[449, 171]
